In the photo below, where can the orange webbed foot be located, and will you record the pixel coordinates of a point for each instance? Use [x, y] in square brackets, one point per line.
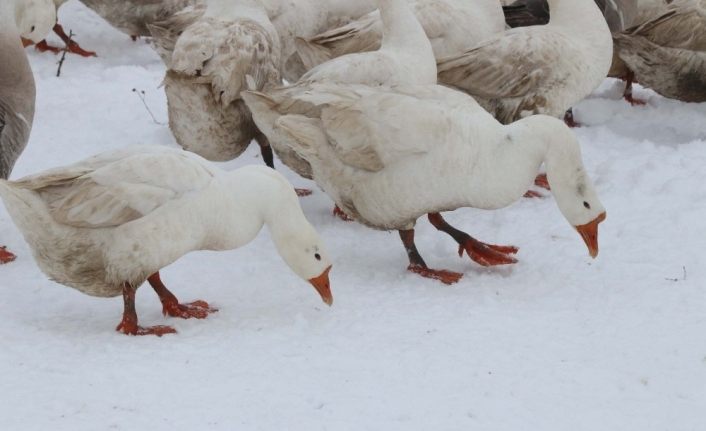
[130, 328]
[196, 309]
[303, 192]
[531, 194]
[43, 46]
[75, 48]
[338, 212]
[488, 254]
[633, 101]
[444, 276]
[6, 256]
[542, 181]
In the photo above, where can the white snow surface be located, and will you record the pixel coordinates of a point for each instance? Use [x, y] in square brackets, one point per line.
[556, 342]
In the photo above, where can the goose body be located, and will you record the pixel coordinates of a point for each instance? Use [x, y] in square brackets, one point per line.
[377, 152]
[30, 20]
[542, 69]
[208, 69]
[116, 219]
[451, 26]
[667, 53]
[291, 19]
[619, 14]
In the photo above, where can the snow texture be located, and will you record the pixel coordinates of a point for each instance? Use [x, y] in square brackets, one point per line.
[555, 342]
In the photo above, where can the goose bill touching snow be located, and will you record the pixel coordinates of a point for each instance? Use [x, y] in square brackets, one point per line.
[375, 152]
[30, 20]
[107, 224]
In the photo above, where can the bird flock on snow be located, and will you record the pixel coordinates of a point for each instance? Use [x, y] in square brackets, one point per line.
[371, 99]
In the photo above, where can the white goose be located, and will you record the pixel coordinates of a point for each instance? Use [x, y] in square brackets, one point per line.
[377, 153]
[107, 224]
[452, 26]
[667, 52]
[405, 55]
[30, 20]
[208, 69]
[539, 69]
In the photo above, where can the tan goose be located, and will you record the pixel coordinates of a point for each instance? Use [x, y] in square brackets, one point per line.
[291, 18]
[208, 69]
[30, 20]
[107, 224]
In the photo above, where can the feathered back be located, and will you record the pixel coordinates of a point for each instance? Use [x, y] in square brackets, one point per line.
[222, 53]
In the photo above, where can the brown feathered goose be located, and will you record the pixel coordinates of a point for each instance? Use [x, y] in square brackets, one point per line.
[31, 20]
[667, 53]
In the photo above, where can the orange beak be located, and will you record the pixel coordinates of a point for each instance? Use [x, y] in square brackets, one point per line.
[589, 233]
[323, 286]
[26, 42]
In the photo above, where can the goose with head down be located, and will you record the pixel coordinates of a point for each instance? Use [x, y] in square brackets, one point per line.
[376, 152]
[29, 20]
[105, 225]
[234, 39]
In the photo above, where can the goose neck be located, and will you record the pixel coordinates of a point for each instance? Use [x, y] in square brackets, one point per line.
[400, 25]
[575, 13]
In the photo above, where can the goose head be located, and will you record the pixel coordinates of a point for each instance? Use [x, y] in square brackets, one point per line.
[294, 237]
[35, 19]
[573, 190]
[303, 251]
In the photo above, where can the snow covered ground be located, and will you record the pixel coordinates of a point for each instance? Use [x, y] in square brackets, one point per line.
[557, 342]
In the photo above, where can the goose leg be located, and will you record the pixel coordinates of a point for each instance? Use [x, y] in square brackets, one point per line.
[627, 94]
[171, 305]
[71, 45]
[6, 256]
[417, 264]
[481, 253]
[338, 212]
[129, 324]
[43, 46]
[569, 119]
[540, 181]
[269, 159]
[265, 149]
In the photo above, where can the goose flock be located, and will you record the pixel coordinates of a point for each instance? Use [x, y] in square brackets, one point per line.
[396, 109]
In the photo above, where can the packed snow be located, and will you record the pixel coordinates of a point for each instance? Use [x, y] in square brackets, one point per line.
[556, 342]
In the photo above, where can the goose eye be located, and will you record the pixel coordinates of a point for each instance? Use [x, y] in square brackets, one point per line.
[587, 205]
[317, 256]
